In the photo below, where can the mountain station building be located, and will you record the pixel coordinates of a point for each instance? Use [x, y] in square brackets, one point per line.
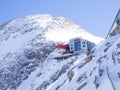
[79, 45]
[76, 46]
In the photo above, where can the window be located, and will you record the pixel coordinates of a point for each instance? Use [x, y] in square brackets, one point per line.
[83, 42]
[71, 47]
[84, 45]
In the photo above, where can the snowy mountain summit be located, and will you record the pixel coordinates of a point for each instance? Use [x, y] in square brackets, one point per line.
[27, 48]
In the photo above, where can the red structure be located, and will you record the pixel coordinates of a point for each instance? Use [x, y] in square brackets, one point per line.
[65, 53]
[62, 46]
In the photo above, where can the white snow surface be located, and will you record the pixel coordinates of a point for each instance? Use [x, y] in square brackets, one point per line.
[78, 72]
[97, 71]
[28, 57]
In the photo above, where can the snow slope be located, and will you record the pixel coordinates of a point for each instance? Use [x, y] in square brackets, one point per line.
[27, 48]
[97, 71]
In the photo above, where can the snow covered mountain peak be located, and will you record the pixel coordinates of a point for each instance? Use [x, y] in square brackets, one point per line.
[55, 28]
[27, 44]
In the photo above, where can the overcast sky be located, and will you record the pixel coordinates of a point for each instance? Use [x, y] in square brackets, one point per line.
[95, 16]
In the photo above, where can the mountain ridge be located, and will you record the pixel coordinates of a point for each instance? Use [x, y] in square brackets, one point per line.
[27, 45]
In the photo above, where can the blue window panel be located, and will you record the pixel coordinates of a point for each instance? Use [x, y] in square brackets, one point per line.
[90, 45]
[77, 46]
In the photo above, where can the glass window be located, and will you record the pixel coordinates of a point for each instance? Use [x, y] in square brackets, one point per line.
[83, 42]
[84, 45]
